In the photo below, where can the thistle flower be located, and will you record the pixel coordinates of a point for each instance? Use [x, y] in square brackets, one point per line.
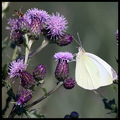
[56, 25]
[17, 37]
[16, 67]
[13, 26]
[39, 72]
[62, 69]
[23, 25]
[24, 97]
[64, 56]
[35, 28]
[64, 40]
[34, 12]
[69, 83]
[27, 80]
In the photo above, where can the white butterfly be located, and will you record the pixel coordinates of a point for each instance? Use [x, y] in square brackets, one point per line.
[92, 72]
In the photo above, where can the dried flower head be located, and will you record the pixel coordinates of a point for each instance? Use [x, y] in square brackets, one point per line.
[16, 67]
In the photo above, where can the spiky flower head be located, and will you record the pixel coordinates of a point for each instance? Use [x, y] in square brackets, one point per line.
[24, 97]
[64, 56]
[12, 26]
[16, 67]
[39, 72]
[23, 25]
[62, 69]
[27, 80]
[69, 83]
[34, 12]
[35, 28]
[64, 40]
[56, 25]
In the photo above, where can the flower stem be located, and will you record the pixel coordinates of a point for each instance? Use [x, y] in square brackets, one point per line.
[44, 43]
[14, 54]
[44, 96]
[29, 43]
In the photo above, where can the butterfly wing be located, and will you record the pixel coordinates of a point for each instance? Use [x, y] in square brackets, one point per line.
[92, 72]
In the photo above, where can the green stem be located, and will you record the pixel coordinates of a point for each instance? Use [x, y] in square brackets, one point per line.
[44, 96]
[29, 44]
[15, 52]
[44, 43]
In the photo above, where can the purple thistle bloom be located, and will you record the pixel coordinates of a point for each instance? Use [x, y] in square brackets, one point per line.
[62, 70]
[39, 72]
[24, 97]
[13, 26]
[56, 25]
[16, 67]
[34, 12]
[69, 83]
[35, 28]
[23, 25]
[27, 80]
[64, 40]
[64, 56]
[17, 37]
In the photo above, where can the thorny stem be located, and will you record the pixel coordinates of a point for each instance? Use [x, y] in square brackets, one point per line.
[44, 96]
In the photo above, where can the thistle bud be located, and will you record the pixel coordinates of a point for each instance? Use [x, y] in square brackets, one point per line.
[23, 25]
[69, 83]
[35, 28]
[62, 69]
[17, 37]
[64, 40]
[74, 114]
[24, 97]
[39, 72]
[27, 80]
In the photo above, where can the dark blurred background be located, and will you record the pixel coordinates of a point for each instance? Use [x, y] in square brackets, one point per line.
[96, 23]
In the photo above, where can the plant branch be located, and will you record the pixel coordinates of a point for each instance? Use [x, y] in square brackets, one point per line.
[44, 43]
[44, 96]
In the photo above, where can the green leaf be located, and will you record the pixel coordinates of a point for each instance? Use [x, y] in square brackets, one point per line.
[33, 114]
[110, 105]
[11, 94]
[45, 91]
[6, 106]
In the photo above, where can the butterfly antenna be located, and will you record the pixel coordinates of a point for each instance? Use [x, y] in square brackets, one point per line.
[80, 43]
[76, 41]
